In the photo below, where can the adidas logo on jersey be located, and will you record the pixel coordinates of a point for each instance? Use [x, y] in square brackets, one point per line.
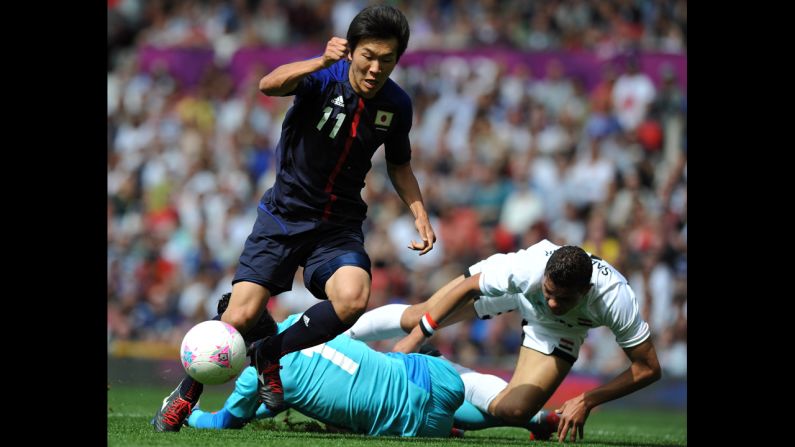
[338, 101]
[306, 321]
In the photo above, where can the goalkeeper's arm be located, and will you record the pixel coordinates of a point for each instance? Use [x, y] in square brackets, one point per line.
[240, 407]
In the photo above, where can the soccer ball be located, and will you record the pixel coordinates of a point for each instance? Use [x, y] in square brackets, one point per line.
[213, 352]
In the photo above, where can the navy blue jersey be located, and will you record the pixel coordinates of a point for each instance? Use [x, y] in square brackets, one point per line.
[328, 138]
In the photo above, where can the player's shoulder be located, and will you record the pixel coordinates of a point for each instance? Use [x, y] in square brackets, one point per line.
[605, 275]
[543, 248]
[609, 286]
[336, 73]
[339, 70]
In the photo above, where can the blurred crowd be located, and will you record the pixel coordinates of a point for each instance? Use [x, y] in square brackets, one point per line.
[603, 26]
[505, 158]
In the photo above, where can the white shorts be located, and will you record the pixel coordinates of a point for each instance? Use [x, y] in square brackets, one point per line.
[479, 389]
[540, 333]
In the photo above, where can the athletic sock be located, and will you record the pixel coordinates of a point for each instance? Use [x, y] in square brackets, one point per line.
[318, 324]
[380, 323]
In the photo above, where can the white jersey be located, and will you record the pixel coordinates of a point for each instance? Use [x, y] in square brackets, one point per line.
[513, 281]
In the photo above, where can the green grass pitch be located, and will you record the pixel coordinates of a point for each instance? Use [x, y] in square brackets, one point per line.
[131, 408]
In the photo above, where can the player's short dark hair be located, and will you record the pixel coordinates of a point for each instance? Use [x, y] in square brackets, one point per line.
[569, 267]
[382, 22]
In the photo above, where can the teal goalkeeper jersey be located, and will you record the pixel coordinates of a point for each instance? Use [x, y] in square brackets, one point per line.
[345, 383]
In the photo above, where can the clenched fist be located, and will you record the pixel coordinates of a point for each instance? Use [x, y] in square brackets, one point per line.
[336, 49]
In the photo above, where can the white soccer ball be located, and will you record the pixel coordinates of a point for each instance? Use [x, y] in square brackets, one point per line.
[213, 352]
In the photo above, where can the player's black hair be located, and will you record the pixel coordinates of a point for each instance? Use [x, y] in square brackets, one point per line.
[569, 267]
[382, 22]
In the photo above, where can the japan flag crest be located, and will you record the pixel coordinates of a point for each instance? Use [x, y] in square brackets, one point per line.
[383, 119]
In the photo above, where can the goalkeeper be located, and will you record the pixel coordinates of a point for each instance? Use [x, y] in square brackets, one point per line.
[346, 384]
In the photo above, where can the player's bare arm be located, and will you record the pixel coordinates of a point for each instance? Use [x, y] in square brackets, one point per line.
[410, 316]
[285, 78]
[439, 314]
[644, 370]
[408, 189]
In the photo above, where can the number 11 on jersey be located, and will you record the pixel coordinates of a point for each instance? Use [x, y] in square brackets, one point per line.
[326, 114]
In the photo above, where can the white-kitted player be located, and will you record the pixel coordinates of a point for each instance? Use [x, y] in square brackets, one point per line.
[562, 292]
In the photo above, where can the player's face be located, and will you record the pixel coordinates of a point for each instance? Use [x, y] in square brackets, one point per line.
[371, 64]
[559, 299]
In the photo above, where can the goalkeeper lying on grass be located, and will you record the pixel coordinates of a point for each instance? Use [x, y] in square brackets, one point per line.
[346, 384]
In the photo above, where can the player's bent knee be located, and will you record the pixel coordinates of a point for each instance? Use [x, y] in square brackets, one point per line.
[350, 307]
[240, 318]
[352, 310]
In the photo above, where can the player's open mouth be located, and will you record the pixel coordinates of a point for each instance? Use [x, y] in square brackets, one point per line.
[371, 83]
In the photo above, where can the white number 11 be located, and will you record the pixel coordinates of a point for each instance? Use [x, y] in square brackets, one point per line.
[326, 114]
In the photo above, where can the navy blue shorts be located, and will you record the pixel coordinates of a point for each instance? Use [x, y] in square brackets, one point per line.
[277, 246]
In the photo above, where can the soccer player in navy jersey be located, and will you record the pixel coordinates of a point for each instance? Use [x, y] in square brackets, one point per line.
[345, 108]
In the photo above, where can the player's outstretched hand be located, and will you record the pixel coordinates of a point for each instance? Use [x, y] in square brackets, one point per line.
[573, 414]
[336, 49]
[426, 233]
